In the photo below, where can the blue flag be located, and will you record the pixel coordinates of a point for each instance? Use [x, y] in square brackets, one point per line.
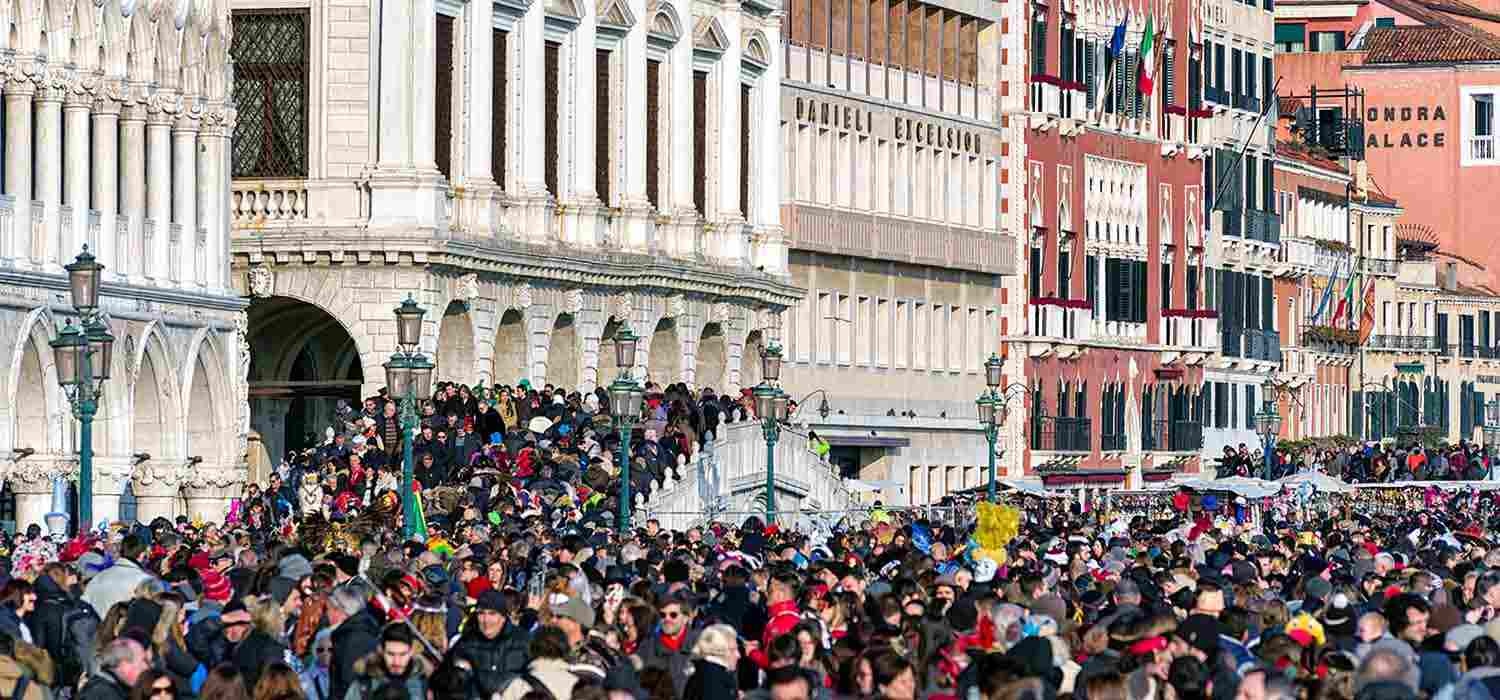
[1117, 42]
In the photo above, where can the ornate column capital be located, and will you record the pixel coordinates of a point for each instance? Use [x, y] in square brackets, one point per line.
[217, 121]
[162, 107]
[53, 85]
[39, 470]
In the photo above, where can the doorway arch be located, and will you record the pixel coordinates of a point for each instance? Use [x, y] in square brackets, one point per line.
[303, 363]
[712, 358]
[510, 364]
[562, 353]
[664, 362]
[455, 355]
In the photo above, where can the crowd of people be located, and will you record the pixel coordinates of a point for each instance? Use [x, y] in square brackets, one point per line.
[1372, 462]
[518, 586]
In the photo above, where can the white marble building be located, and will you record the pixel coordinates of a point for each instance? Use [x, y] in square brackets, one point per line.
[116, 131]
[532, 172]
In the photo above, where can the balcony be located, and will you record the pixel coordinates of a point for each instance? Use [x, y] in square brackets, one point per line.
[1191, 328]
[1340, 341]
[1263, 226]
[1263, 345]
[1481, 148]
[1055, 434]
[869, 235]
[1216, 95]
[1060, 319]
[1471, 351]
[1415, 343]
[1379, 266]
[1233, 342]
[1173, 436]
[1112, 443]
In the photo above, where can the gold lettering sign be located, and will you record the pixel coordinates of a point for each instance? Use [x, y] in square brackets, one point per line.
[1413, 126]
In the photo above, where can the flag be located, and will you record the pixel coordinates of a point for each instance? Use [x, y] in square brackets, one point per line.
[1333, 276]
[1367, 317]
[420, 529]
[1117, 42]
[1148, 57]
[1346, 302]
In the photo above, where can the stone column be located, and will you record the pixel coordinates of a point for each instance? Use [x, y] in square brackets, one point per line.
[185, 194]
[210, 489]
[106, 172]
[158, 191]
[76, 153]
[213, 143]
[532, 202]
[30, 479]
[729, 234]
[47, 162]
[583, 217]
[155, 485]
[678, 192]
[406, 188]
[132, 252]
[765, 206]
[635, 205]
[111, 474]
[18, 97]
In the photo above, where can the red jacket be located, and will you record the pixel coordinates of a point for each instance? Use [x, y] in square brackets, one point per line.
[784, 617]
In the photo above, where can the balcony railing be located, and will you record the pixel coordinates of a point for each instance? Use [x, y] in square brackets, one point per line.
[1173, 436]
[1054, 434]
[1263, 345]
[1233, 345]
[1263, 226]
[1328, 345]
[1379, 266]
[1112, 443]
[1481, 148]
[1216, 95]
[1473, 351]
[1403, 342]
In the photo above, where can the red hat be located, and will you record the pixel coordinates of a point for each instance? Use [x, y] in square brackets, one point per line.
[75, 548]
[199, 561]
[216, 586]
[413, 583]
[477, 586]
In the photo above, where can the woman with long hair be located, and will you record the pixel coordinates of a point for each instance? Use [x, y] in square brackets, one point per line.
[278, 682]
[224, 682]
[17, 600]
[314, 591]
[895, 677]
[154, 685]
[637, 619]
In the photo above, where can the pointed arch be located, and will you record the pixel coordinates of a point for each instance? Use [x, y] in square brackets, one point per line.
[28, 26]
[155, 404]
[114, 39]
[206, 390]
[141, 57]
[216, 65]
[32, 390]
[85, 49]
[168, 49]
[192, 80]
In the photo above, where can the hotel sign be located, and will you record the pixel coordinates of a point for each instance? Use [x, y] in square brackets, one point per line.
[1408, 126]
[891, 123]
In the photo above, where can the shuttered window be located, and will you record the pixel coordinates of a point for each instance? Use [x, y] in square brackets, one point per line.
[1065, 50]
[700, 142]
[550, 60]
[1064, 275]
[653, 132]
[1090, 81]
[745, 122]
[1236, 81]
[1166, 285]
[1192, 287]
[1268, 184]
[1267, 77]
[1117, 99]
[1218, 61]
[442, 132]
[1169, 73]
[602, 143]
[1091, 284]
[499, 139]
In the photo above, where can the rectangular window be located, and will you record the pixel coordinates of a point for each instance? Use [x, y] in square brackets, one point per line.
[1169, 72]
[1034, 273]
[1038, 41]
[602, 143]
[843, 321]
[1291, 38]
[653, 132]
[1267, 79]
[882, 331]
[499, 138]
[1218, 60]
[745, 151]
[824, 323]
[1064, 275]
[1191, 287]
[921, 331]
[955, 339]
[1166, 285]
[1065, 51]
[551, 62]
[1236, 81]
[442, 132]
[1326, 41]
[1442, 331]
[700, 142]
[270, 53]
[1385, 21]
[903, 332]
[1091, 284]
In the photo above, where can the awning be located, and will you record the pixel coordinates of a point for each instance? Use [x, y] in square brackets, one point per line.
[1291, 33]
[865, 441]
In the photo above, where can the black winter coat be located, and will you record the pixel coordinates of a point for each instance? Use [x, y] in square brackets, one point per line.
[255, 653]
[103, 686]
[495, 661]
[710, 681]
[46, 623]
[352, 640]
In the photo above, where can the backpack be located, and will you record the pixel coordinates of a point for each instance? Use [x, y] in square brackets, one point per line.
[80, 627]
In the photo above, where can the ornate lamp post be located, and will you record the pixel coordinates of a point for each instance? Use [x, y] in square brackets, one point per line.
[625, 399]
[992, 410]
[408, 376]
[83, 357]
[771, 405]
[1268, 424]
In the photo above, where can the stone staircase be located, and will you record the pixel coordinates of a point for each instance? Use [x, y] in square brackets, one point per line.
[726, 480]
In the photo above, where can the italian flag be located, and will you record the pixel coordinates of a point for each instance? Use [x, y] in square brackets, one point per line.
[1148, 57]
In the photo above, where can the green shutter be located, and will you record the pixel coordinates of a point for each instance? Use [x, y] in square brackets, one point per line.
[1292, 33]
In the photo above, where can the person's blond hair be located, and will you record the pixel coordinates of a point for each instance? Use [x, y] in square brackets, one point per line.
[717, 643]
[266, 616]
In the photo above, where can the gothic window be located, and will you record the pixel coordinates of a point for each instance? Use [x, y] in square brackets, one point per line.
[270, 52]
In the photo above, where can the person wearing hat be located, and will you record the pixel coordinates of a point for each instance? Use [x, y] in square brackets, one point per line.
[591, 652]
[493, 647]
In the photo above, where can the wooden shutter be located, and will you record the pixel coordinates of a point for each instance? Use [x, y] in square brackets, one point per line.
[1267, 304]
[653, 132]
[1090, 81]
[1064, 275]
[498, 106]
[602, 144]
[700, 142]
[550, 77]
[1169, 73]
[746, 119]
[1091, 284]
[1166, 285]
[442, 132]
[1138, 289]
[1268, 184]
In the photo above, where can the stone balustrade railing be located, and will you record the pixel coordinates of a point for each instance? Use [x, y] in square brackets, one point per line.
[255, 202]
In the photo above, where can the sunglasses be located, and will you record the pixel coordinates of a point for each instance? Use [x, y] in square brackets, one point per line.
[162, 690]
[672, 615]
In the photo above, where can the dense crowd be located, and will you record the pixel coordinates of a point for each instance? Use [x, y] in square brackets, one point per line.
[518, 587]
[1373, 462]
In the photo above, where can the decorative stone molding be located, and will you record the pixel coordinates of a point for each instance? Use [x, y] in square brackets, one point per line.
[676, 306]
[624, 306]
[171, 474]
[573, 301]
[523, 296]
[262, 281]
[215, 477]
[468, 288]
[721, 312]
[41, 469]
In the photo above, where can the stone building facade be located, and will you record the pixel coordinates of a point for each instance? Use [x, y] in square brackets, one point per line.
[116, 128]
[560, 168]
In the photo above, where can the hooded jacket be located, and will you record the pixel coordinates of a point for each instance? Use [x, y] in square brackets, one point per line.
[114, 585]
[352, 640]
[371, 674]
[495, 661]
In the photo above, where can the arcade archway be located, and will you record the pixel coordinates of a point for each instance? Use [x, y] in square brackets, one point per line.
[510, 365]
[712, 358]
[303, 364]
[562, 354]
[664, 363]
[455, 356]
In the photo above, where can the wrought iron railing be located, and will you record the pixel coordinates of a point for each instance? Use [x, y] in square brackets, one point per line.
[1403, 342]
[1263, 226]
[1057, 434]
[1112, 443]
[1187, 436]
[1379, 266]
[1232, 345]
